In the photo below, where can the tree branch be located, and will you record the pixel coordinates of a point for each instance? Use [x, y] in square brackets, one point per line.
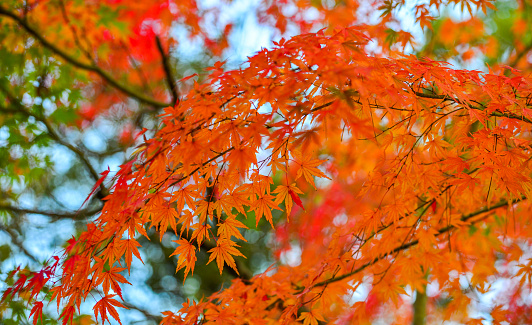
[415, 242]
[17, 242]
[85, 66]
[54, 215]
[442, 97]
[498, 114]
[156, 318]
[169, 76]
[519, 56]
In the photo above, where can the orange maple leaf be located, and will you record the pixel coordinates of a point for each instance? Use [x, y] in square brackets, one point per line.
[229, 228]
[288, 194]
[311, 318]
[308, 168]
[111, 279]
[222, 252]
[187, 256]
[262, 206]
[106, 306]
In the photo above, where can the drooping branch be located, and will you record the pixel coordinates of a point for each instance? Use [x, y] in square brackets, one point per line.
[519, 56]
[415, 242]
[82, 65]
[167, 70]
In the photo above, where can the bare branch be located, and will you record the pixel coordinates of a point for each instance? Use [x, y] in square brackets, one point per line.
[54, 215]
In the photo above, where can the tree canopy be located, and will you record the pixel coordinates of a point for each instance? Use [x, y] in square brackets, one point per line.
[391, 181]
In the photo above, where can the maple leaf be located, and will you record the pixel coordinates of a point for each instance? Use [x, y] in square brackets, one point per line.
[525, 271]
[187, 256]
[200, 233]
[288, 194]
[106, 306]
[185, 219]
[229, 228]
[36, 283]
[130, 250]
[307, 168]
[165, 217]
[36, 311]
[223, 252]
[111, 279]
[262, 206]
[242, 157]
[97, 184]
[311, 318]
[499, 315]
[185, 195]
[71, 244]
[68, 314]
[203, 210]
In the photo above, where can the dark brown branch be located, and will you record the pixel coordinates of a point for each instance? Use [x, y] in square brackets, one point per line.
[443, 97]
[54, 215]
[167, 70]
[415, 242]
[85, 66]
[156, 318]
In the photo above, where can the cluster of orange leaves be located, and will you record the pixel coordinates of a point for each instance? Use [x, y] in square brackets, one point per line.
[418, 154]
[285, 102]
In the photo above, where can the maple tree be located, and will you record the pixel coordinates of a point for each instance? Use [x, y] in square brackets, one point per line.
[386, 172]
